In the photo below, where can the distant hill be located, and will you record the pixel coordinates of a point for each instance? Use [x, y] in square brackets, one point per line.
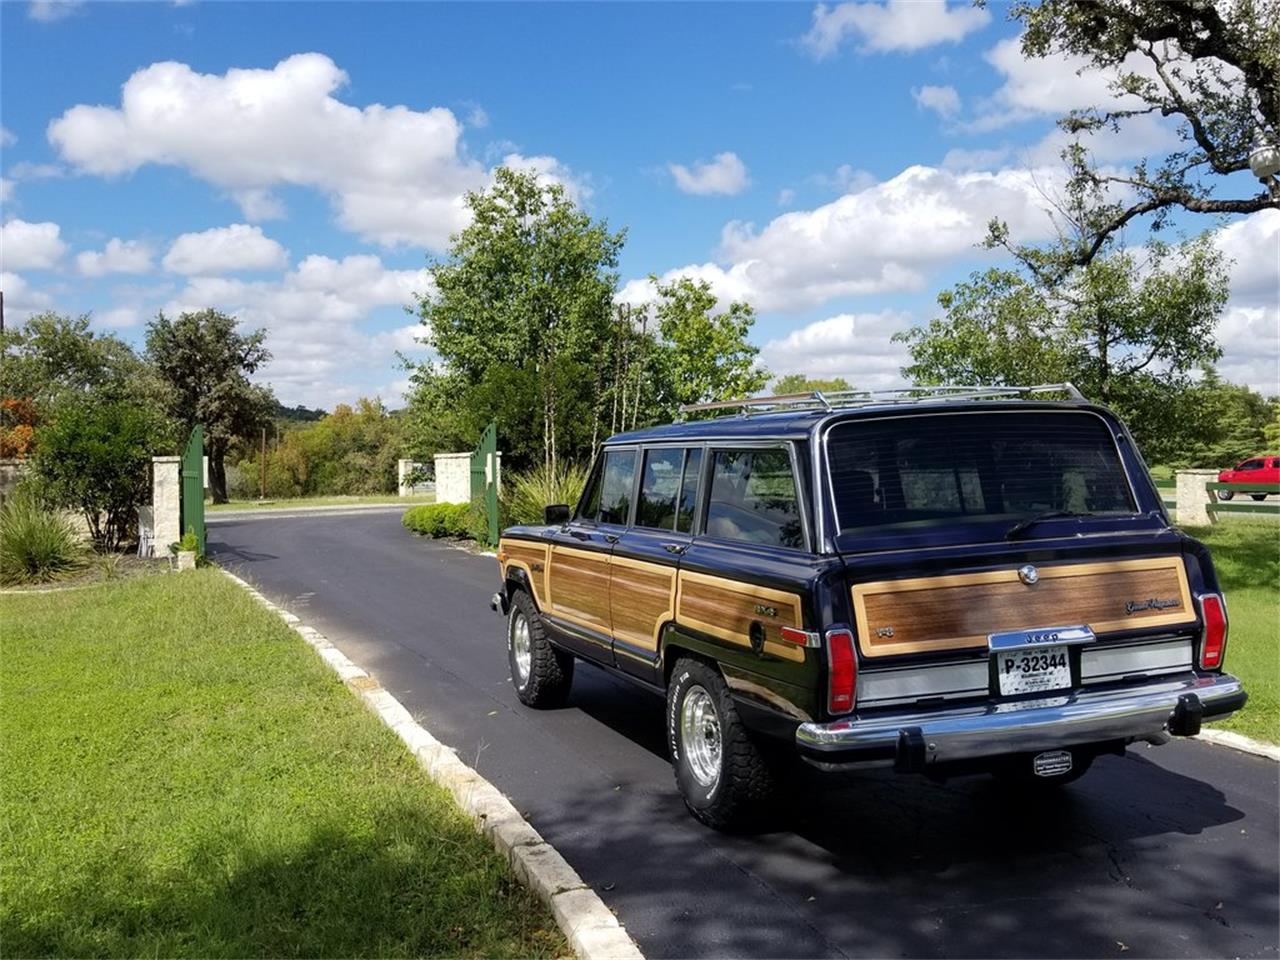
[298, 414]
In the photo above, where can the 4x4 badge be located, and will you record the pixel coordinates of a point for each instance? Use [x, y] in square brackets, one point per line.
[1028, 574]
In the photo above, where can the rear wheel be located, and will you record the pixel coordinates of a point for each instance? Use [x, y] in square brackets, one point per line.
[720, 771]
[1258, 496]
[1226, 494]
[541, 674]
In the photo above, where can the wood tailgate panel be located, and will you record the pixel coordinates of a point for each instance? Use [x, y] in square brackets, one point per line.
[958, 612]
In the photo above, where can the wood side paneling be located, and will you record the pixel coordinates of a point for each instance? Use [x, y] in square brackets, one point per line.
[530, 557]
[642, 597]
[726, 609]
[958, 612]
[578, 586]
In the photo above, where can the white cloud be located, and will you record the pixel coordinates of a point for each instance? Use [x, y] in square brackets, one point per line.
[846, 179]
[224, 250]
[393, 174]
[118, 256]
[258, 204]
[477, 117]
[313, 316]
[6, 189]
[894, 25]
[7, 137]
[856, 346]
[1050, 86]
[726, 175]
[20, 301]
[1253, 244]
[884, 238]
[30, 246]
[49, 11]
[944, 101]
[786, 197]
[551, 170]
[119, 317]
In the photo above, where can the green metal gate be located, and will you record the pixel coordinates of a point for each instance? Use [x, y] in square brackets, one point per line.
[484, 478]
[193, 488]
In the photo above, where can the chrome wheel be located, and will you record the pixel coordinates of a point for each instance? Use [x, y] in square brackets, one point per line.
[700, 738]
[520, 647]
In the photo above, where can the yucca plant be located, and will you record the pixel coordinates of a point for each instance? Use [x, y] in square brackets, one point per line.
[525, 495]
[37, 543]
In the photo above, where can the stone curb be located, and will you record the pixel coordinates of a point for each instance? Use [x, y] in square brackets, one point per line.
[591, 928]
[1238, 741]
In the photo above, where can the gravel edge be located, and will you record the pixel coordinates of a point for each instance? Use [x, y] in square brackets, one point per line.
[591, 928]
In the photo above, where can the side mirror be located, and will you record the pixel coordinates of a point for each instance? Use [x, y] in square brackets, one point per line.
[556, 513]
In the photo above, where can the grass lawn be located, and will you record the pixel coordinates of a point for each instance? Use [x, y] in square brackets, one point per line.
[1247, 557]
[181, 776]
[287, 503]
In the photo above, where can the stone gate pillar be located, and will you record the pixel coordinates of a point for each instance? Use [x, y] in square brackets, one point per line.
[166, 501]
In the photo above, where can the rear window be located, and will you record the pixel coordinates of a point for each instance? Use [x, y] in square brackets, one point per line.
[925, 471]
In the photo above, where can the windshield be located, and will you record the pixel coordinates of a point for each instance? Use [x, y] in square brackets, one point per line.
[946, 469]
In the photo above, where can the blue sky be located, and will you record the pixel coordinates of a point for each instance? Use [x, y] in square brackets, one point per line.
[297, 163]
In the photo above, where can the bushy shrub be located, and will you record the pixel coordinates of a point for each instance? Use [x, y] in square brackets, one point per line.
[525, 495]
[94, 457]
[37, 543]
[438, 519]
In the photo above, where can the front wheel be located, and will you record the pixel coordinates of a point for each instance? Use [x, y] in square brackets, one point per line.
[720, 771]
[541, 674]
[1226, 494]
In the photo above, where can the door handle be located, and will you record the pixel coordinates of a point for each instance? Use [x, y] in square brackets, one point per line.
[610, 538]
[676, 548]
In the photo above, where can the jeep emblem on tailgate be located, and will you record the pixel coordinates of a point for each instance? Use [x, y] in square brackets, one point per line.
[1028, 574]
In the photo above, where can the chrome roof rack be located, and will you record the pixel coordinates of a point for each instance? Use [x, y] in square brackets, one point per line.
[828, 401]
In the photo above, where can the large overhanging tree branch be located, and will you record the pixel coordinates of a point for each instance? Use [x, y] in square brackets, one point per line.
[1213, 68]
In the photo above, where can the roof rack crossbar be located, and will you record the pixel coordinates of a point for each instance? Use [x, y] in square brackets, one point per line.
[829, 400]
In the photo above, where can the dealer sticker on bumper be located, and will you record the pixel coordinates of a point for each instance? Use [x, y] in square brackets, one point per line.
[1035, 661]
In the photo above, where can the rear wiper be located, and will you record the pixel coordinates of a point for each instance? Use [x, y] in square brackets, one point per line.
[1022, 526]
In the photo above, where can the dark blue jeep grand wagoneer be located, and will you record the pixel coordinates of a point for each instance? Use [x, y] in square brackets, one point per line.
[944, 580]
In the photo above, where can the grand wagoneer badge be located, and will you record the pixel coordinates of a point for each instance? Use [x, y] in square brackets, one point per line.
[1154, 603]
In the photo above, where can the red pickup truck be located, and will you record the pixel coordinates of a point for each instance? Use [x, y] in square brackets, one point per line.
[1254, 470]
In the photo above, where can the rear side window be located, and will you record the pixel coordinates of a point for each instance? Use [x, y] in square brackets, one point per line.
[753, 498]
[923, 471]
[659, 489]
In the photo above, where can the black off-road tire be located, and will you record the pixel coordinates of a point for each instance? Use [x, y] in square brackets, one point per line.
[549, 677]
[741, 795]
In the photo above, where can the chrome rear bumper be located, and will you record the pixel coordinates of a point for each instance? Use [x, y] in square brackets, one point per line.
[914, 740]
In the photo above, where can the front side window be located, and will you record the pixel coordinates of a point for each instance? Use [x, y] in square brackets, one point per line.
[930, 471]
[753, 498]
[1251, 465]
[659, 489]
[615, 486]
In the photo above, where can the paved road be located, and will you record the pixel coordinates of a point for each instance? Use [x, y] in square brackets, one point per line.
[1168, 852]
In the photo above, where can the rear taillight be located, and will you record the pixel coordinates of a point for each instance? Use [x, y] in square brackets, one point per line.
[1213, 641]
[843, 674]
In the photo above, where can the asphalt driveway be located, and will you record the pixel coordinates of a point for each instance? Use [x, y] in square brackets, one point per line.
[1168, 852]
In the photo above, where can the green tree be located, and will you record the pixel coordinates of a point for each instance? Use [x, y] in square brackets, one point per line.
[53, 357]
[205, 361]
[1130, 332]
[1213, 68]
[94, 458]
[704, 354]
[799, 383]
[527, 285]
[1218, 424]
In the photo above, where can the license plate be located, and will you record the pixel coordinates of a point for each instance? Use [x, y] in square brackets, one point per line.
[1035, 661]
[1032, 670]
